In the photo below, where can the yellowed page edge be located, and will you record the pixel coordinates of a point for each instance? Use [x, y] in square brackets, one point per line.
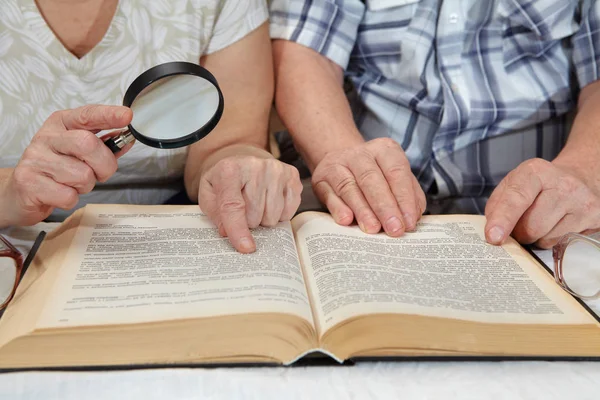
[35, 288]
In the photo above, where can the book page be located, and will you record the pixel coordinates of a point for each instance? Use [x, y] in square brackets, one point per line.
[444, 269]
[133, 264]
[27, 305]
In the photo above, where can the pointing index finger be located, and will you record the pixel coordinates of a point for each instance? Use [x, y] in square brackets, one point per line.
[232, 214]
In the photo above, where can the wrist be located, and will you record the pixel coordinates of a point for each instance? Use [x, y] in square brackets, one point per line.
[234, 150]
[314, 151]
[581, 167]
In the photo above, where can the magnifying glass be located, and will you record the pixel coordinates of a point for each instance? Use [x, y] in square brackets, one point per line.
[174, 105]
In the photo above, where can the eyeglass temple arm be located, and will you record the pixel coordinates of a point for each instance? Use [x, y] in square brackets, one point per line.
[32, 253]
[595, 235]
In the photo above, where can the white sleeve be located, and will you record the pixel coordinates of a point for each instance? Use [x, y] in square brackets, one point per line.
[234, 20]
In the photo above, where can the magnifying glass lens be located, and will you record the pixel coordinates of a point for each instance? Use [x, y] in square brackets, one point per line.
[174, 107]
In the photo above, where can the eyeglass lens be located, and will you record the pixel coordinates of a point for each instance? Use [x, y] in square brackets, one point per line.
[581, 268]
[8, 273]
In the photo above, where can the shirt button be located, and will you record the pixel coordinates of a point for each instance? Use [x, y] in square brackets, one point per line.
[454, 88]
[453, 18]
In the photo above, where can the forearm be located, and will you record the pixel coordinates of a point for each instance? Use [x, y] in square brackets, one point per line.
[242, 131]
[245, 74]
[311, 101]
[582, 150]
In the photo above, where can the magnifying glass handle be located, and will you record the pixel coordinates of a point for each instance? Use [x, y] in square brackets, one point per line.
[115, 144]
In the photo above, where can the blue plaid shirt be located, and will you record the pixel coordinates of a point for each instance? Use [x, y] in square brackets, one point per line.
[469, 88]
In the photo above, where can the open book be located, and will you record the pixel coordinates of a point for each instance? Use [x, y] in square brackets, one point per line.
[155, 285]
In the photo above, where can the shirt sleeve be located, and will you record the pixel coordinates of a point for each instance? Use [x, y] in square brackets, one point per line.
[235, 19]
[586, 44]
[327, 26]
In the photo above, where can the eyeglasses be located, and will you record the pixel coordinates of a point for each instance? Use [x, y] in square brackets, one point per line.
[577, 264]
[11, 267]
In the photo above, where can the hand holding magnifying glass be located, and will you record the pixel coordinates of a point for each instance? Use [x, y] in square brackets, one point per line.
[173, 104]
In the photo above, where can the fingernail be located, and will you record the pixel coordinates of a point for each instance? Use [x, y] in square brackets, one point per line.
[246, 244]
[345, 219]
[393, 225]
[362, 226]
[496, 234]
[373, 226]
[408, 221]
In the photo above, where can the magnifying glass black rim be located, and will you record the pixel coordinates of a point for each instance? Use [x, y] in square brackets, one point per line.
[164, 71]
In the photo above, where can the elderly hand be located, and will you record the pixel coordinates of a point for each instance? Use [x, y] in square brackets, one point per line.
[64, 159]
[242, 192]
[539, 202]
[373, 183]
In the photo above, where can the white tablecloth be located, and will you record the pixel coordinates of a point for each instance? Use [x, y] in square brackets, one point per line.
[406, 380]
